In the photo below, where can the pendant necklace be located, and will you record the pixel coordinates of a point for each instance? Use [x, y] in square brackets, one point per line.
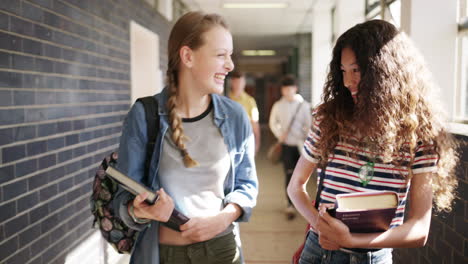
[366, 171]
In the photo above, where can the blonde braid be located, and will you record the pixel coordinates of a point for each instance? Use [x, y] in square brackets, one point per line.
[175, 122]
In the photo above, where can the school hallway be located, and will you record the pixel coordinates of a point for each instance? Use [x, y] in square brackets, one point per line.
[71, 69]
[269, 238]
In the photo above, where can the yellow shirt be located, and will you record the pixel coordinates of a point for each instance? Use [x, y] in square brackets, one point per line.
[249, 104]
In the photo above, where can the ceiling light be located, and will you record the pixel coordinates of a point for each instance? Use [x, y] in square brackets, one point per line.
[258, 52]
[266, 52]
[255, 5]
[249, 52]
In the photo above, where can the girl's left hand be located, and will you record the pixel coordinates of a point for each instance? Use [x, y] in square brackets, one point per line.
[333, 233]
[200, 229]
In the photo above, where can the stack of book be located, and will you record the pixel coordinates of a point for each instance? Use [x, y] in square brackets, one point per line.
[366, 212]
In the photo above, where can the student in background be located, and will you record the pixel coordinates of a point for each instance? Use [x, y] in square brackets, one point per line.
[214, 186]
[377, 128]
[239, 95]
[290, 120]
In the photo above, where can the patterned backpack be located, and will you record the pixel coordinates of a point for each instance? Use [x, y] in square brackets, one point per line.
[113, 229]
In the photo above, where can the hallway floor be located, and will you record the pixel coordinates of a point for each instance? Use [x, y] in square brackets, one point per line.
[269, 238]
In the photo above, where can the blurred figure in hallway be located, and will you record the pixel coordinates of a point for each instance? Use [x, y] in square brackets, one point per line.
[239, 95]
[290, 120]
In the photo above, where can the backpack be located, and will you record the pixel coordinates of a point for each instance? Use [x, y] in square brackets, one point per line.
[112, 228]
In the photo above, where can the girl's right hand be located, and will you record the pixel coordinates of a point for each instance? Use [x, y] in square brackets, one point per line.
[333, 233]
[160, 211]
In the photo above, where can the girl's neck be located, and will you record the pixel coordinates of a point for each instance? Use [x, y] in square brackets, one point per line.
[191, 102]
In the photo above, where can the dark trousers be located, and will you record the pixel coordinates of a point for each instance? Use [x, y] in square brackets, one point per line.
[289, 156]
[219, 250]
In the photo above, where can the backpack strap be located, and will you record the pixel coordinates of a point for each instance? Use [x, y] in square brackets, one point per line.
[152, 124]
[319, 188]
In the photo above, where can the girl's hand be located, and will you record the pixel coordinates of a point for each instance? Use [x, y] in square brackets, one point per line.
[160, 211]
[200, 229]
[327, 244]
[333, 233]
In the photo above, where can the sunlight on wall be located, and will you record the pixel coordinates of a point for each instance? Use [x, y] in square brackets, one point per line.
[145, 72]
[88, 251]
[115, 258]
[91, 251]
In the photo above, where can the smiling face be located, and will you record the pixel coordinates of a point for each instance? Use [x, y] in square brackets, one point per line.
[351, 71]
[212, 61]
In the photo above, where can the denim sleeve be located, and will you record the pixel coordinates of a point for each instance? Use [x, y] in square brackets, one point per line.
[245, 174]
[120, 204]
[132, 153]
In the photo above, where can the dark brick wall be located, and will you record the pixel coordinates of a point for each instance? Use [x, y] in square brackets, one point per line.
[64, 91]
[448, 237]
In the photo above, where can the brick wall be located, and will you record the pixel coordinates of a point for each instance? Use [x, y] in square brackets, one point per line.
[448, 237]
[64, 91]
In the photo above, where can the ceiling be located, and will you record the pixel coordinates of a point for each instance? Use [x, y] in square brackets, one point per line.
[262, 28]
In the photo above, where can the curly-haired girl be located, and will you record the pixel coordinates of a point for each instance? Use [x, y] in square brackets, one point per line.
[203, 163]
[376, 111]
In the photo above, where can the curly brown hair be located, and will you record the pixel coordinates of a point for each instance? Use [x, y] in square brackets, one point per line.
[393, 108]
[187, 31]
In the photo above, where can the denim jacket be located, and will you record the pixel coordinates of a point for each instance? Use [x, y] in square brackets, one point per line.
[240, 186]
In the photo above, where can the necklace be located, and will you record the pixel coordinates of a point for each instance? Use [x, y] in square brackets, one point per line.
[366, 172]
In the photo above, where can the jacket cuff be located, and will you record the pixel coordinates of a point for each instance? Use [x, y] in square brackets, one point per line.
[122, 201]
[244, 203]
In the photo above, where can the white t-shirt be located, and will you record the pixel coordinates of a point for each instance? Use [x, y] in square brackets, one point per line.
[197, 191]
[281, 115]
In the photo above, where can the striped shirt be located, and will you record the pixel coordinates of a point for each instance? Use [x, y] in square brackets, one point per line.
[341, 173]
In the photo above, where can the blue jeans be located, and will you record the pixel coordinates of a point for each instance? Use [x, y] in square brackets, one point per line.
[314, 254]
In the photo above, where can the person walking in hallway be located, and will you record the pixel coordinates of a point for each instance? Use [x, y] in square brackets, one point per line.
[239, 95]
[378, 128]
[215, 187]
[290, 120]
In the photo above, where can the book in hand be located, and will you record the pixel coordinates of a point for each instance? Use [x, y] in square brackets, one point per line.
[177, 218]
[366, 212]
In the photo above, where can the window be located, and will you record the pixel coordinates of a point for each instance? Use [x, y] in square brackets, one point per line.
[166, 9]
[179, 8]
[395, 12]
[146, 76]
[462, 110]
[464, 73]
[373, 9]
[152, 3]
[388, 10]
